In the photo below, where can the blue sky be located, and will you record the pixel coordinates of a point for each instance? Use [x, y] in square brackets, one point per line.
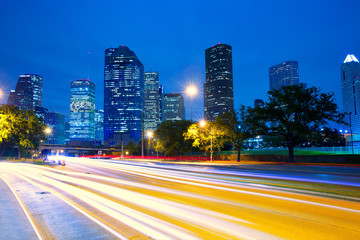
[53, 39]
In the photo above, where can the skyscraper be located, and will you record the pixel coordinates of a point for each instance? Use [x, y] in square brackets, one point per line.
[350, 86]
[258, 103]
[123, 95]
[82, 110]
[218, 88]
[28, 92]
[174, 106]
[284, 74]
[99, 125]
[56, 122]
[152, 101]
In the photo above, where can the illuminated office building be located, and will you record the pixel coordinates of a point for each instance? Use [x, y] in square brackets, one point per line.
[284, 74]
[28, 92]
[56, 122]
[174, 106]
[152, 101]
[350, 86]
[218, 88]
[99, 125]
[82, 110]
[123, 96]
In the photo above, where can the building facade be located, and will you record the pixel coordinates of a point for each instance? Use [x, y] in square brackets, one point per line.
[174, 108]
[123, 96]
[218, 88]
[152, 101]
[28, 92]
[284, 74]
[99, 125]
[56, 122]
[258, 103]
[82, 110]
[350, 86]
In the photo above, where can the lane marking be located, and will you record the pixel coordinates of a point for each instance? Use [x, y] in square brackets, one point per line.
[75, 206]
[25, 209]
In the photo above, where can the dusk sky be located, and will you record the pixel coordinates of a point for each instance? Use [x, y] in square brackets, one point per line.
[53, 38]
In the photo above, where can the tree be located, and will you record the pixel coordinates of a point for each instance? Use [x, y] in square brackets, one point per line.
[296, 111]
[169, 137]
[19, 127]
[236, 127]
[205, 137]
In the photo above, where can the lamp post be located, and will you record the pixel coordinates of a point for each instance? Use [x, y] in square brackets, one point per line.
[149, 134]
[191, 91]
[202, 124]
[48, 131]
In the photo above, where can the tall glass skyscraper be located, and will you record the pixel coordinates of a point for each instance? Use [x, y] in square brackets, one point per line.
[284, 74]
[174, 106]
[152, 101]
[218, 88]
[123, 95]
[82, 110]
[56, 122]
[28, 92]
[350, 86]
[99, 125]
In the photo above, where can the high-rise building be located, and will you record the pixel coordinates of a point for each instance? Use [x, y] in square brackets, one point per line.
[82, 110]
[258, 103]
[56, 122]
[99, 125]
[161, 94]
[123, 95]
[218, 88]
[28, 92]
[350, 86]
[174, 106]
[284, 74]
[152, 101]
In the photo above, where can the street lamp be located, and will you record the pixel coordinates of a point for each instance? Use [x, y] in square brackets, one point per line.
[191, 91]
[47, 132]
[202, 124]
[149, 134]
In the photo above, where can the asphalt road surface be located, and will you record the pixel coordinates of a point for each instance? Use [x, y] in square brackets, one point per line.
[114, 199]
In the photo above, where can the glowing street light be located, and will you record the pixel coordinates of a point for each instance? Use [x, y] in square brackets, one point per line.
[149, 135]
[191, 92]
[48, 130]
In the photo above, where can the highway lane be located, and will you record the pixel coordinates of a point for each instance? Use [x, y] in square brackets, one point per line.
[146, 200]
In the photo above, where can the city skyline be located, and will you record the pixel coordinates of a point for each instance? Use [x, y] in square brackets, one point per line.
[318, 42]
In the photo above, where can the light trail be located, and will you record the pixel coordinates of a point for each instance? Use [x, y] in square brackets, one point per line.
[207, 219]
[175, 202]
[179, 178]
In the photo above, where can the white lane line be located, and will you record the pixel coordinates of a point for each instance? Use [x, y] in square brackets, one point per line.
[118, 235]
[24, 208]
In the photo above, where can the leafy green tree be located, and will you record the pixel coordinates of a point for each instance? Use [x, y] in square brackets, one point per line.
[169, 137]
[205, 137]
[294, 112]
[236, 127]
[19, 127]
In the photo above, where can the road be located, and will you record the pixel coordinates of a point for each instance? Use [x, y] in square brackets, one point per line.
[114, 199]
